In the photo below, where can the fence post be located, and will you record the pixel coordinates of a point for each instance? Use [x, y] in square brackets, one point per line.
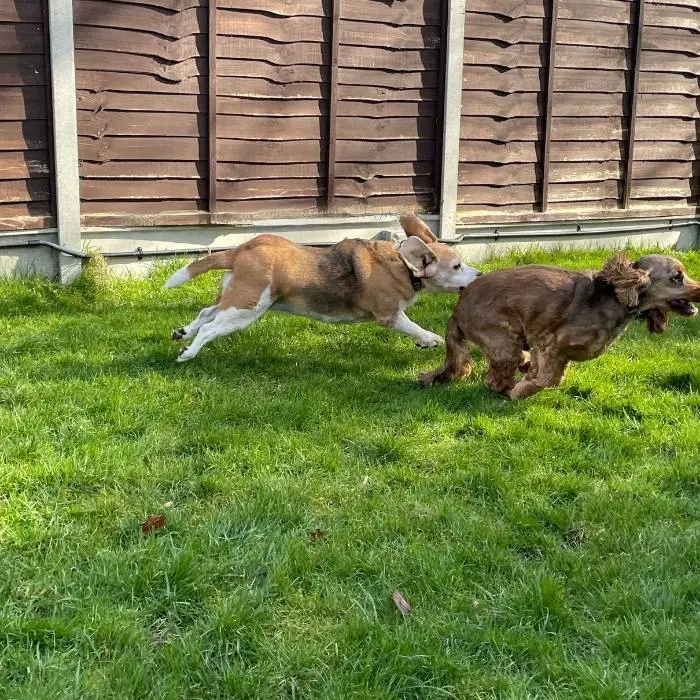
[65, 134]
[454, 68]
[213, 150]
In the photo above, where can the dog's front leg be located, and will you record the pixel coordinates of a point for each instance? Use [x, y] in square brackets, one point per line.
[421, 337]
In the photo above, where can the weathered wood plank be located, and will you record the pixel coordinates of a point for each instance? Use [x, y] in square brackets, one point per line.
[144, 170]
[386, 110]
[261, 88]
[21, 70]
[527, 194]
[368, 93]
[297, 54]
[269, 189]
[611, 11]
[530, 80]
[124, 41]
[21, 38]
[369, 171]
[21, 11]
[140, 102]
[154, 20]
[236, 151]
[386, 129]
[100, 124]
[31, 190]
[384, 151]
[136, 189]
[147, 65]
[532, 31]
[672, 188]
[288, 30]
[110, 148]
[23, 135]
[106, 81]
[529, 173]
[487, 53]
[19, 103]
[227, 67]
[530, 151]
[401, 37]
[118, 212]
[271, 128]
[246, 106]
[23, 165]
[262, 171]
[388, 79]
[385, 186]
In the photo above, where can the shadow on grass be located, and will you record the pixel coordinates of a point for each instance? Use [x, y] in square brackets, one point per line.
[679, 382]
[365, 376]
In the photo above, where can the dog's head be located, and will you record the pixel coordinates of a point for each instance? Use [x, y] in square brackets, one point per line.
[653, 286]
[438, 267]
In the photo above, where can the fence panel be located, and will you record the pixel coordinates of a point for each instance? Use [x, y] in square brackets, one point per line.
[602, 148]
[26, 198]
[142, 109]
[389, 105]
[272, 91]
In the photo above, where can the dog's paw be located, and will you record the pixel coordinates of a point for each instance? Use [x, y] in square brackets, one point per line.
[178, 334]
[430, 340]
[184, 355]
[426, 379]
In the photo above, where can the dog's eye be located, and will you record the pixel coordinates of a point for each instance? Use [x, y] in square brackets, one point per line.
[458, 266]
[679, 277]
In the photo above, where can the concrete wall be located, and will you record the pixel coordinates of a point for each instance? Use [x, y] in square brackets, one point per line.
[476, 244]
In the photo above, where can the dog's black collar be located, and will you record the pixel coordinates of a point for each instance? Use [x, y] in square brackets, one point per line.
[416, 282]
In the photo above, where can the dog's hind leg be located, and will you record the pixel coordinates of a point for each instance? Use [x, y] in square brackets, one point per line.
[226, 321]
[205, 315]
[457, 361]
[188, 332]
[548, 371]
[501, 374]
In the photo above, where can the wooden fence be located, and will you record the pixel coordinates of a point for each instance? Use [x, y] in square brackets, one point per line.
[194, 112]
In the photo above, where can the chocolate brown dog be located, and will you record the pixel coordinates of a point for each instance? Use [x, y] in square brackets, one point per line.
[560, 316]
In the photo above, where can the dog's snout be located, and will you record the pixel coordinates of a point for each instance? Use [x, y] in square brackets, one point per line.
[479, 273]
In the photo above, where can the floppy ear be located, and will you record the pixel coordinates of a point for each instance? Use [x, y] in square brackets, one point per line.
[657, 320]
[627, 280]
[413, 226]
[418, 257]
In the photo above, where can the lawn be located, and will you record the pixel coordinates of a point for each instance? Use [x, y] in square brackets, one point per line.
[549, 549]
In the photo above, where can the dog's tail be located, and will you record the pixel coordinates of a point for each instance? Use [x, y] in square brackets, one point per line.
[215, 261]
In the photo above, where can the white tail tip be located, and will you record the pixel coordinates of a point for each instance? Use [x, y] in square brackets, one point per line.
[178, 278]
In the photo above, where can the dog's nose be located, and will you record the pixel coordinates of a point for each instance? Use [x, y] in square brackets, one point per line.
[479, 273]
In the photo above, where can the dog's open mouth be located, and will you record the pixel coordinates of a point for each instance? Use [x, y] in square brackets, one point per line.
[683, 307]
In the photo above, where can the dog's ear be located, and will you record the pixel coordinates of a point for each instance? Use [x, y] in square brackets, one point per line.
[657, 320]
[418, 257]
[413, 226]
[628, 281]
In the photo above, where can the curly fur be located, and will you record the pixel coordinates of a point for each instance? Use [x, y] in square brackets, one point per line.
[627, 280]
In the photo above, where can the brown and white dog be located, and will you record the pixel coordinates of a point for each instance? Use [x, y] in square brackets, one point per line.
[352, 282]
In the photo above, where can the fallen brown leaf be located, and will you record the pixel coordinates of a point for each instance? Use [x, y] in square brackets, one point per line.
[317, 536]
[403, 606]
[153, 523]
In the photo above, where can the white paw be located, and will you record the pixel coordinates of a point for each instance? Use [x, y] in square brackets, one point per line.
[184, 355]
[430, 340]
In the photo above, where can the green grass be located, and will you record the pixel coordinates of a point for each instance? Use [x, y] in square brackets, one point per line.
[550, 549]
